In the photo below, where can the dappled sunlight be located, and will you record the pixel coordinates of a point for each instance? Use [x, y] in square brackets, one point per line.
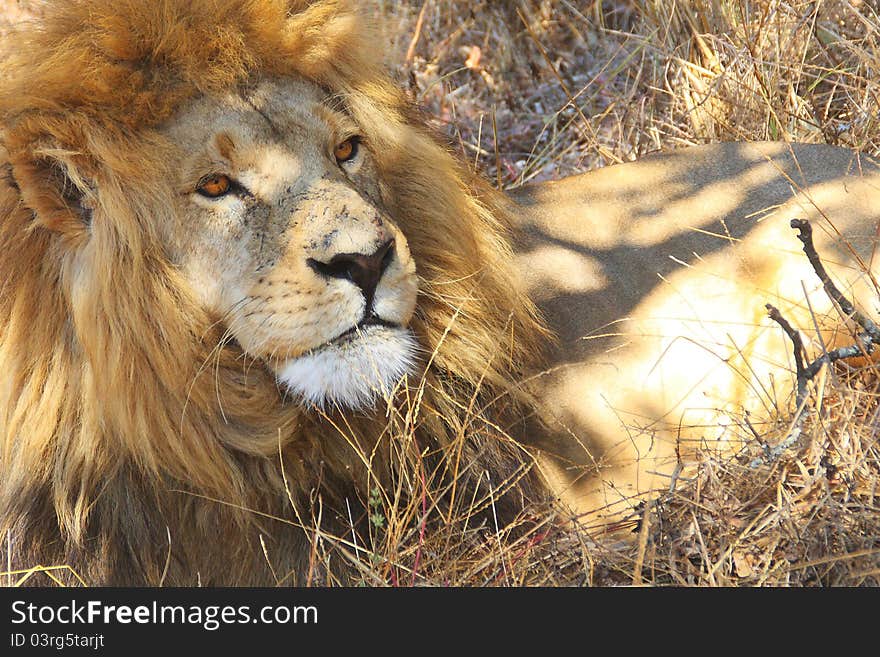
[551, 269]
[667, 345]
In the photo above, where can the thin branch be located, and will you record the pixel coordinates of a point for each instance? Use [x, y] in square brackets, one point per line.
[411, 51]
[805, 235]
[798, 349]
[805, 373]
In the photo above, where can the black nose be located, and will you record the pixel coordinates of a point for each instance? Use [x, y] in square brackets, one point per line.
[365, 271]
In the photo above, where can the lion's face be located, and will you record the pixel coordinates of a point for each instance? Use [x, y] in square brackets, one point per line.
[283, 237]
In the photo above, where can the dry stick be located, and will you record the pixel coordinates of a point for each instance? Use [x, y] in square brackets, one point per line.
[805, 373]
[773, 453]
[866, 340]
[643, 544]
[411, 51]
[805, 235]
[798, 348]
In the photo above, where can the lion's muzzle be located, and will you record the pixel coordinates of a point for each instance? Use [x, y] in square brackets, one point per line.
[368, 359]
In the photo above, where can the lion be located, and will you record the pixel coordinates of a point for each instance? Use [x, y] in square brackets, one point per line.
[248, 297]
[246, 294]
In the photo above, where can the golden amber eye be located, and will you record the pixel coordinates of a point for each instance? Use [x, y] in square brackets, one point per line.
[346, 150]
[214, 185]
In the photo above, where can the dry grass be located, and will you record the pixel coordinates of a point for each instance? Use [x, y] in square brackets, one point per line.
[539, 89]
[581, 84]
[809, 518]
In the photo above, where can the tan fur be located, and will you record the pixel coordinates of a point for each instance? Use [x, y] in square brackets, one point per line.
[656, 274]
[144, 436]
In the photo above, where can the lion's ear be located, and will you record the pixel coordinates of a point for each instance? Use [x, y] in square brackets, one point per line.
[53, 189]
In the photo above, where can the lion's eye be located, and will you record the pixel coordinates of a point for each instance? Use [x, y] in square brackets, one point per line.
[215, 185]
[346, 150]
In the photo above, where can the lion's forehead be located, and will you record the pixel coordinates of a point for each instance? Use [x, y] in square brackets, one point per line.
[266, 126]
[273, 139]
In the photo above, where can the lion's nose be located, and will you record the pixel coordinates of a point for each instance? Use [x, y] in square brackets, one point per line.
[365, 271]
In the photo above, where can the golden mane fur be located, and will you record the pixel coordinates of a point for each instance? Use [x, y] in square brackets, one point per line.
[125, 457]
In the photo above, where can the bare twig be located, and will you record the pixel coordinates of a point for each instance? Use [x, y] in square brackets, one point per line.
[798, 348]
[805, 373]
[805, 235]
[411, 51]
[794, 432]
[644, 527]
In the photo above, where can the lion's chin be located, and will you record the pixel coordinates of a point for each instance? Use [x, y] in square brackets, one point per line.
[353, 373]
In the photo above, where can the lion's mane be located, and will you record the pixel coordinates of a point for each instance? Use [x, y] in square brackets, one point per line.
[137, 445]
